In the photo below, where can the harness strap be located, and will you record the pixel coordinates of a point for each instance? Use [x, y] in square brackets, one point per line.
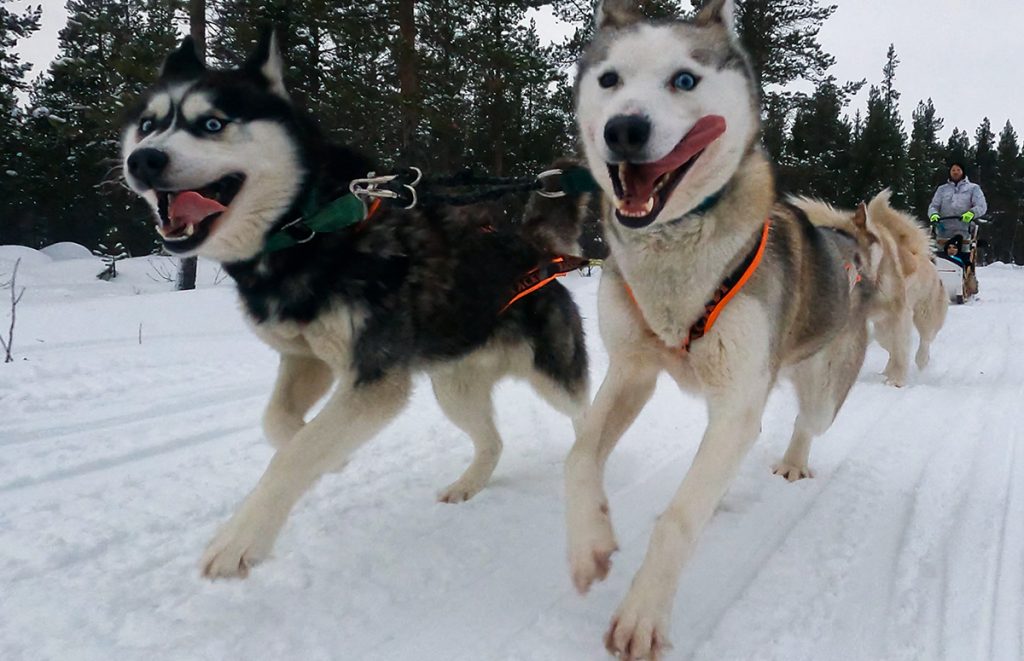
[342, 213]
[855, 276]
[543, 275]
[728, 290]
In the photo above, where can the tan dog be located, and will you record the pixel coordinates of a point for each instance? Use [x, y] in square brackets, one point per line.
[669, 120]
[909, 292]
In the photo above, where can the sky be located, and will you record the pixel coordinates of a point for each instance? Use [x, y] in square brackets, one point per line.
[967, 55]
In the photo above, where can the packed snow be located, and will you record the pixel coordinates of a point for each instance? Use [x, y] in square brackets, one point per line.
[129, 430]
[66, 250]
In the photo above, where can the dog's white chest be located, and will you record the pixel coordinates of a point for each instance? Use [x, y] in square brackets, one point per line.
[669, 293]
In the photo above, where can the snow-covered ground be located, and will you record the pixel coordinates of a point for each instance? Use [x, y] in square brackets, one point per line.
[118, 460]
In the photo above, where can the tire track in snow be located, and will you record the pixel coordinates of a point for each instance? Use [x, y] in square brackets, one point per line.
[825, 553]
[122, 460]
[1006, 636]
[147, 415]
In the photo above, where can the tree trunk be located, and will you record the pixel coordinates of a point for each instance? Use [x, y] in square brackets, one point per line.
[495, 86]
[197, 28]
[407, 75]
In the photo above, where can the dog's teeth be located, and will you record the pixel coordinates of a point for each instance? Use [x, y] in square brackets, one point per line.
[622, 172]
[649, 207]
[190, 230]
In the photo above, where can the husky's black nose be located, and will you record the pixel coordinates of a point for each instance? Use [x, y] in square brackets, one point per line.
[147, 165]
[627, 136]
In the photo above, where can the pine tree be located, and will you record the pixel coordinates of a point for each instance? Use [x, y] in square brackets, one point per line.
[925, 157]
[17, 223]
[1005, 194]
[958, 148]
[782, 41]
[819, 148]
[984, 152]
[108, 53]
[580, 14]
[890, 96]
[880, 152]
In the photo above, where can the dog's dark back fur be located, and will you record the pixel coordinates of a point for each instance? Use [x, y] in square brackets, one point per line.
[432, 284]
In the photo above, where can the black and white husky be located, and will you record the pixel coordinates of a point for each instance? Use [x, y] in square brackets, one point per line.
[710, 279]
[228, 165]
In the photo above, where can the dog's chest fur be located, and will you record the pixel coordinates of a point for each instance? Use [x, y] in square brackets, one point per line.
[672, 278]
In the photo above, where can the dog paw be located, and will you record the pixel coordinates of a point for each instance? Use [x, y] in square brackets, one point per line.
[590, 552]
[895, 381]
[792, 473]
[235, 550]
[638, 632]
[460, 491]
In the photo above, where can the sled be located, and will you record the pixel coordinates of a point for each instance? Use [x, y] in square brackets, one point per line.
[959, 280]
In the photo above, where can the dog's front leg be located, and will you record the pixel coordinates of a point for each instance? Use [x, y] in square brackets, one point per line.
[627, 387]
[352, 416]
[640, 627]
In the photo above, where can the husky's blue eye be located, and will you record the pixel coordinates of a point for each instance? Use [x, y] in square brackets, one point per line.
[213, 125]
[146, 126]
[685, 81]
[608, 79]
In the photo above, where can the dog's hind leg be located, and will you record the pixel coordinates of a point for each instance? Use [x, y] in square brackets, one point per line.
[627, 387]
[817, 410]
[301, 382]
[929, 316]
[822, 383]
[893, 333]
[352, 416]
[569, 400]
[464, 394]
[558, 371]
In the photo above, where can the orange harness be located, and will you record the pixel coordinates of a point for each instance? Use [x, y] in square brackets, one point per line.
[544, 275]
[729, 288]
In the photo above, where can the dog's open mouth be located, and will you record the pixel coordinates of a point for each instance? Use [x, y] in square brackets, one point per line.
[642, 189]
[187, 216]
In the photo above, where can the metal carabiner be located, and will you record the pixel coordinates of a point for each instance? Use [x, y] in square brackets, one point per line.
[371, 187]
[547, 174]
[312, 232]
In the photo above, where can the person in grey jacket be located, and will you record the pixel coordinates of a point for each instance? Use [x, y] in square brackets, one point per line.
[958, 197]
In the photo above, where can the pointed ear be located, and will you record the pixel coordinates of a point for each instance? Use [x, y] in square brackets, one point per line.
[860, 217]
[183, 63]
[718, 12]
[266, 61]
[617, 14]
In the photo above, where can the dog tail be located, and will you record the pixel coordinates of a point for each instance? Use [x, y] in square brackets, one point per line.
[912, 239]
[553, 225]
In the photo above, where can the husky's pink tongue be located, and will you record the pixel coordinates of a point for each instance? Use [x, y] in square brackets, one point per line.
[191, 208]
[639, 179]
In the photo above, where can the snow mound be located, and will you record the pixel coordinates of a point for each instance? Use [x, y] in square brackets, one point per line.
[66, 250]
[28, 256]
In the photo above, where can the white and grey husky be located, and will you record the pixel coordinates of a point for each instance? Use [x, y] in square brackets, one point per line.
[710, 279]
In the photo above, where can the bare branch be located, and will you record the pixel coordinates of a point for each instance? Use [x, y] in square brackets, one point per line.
[15, 299]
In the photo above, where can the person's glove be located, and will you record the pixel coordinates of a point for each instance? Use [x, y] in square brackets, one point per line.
[934, 217]
[967, 217]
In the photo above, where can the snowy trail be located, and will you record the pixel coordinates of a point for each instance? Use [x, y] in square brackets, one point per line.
[119, 460]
